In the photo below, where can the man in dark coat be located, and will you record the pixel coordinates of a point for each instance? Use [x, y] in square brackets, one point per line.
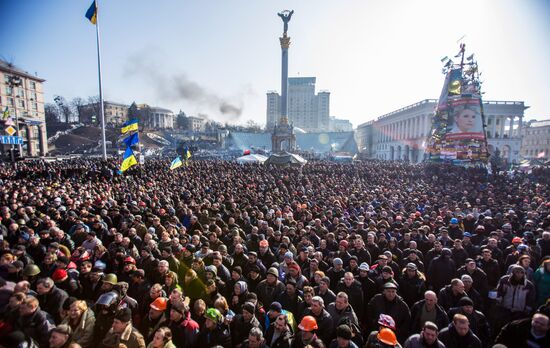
[528, 332]
[478, 322]
[354, 291]
[450, 295]
[51, 297]
[427, 309]
[278, 334]
[459, 335]
[389, 303]
[322, 317]
[34, 322]
[441, 270]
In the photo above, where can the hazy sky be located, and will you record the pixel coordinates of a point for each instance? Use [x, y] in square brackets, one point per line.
[220, 57]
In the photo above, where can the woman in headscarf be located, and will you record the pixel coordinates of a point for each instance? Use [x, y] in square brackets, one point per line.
[238, 298]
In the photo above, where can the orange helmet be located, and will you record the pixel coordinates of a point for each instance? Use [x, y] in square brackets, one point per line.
[308, 323]
[159, 304]
[387, 336]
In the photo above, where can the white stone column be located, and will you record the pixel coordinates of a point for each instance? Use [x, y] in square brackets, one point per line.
[502, 121]
[493, 126]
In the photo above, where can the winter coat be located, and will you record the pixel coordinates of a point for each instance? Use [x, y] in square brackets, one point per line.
[397, 309]
[447, 299]
[451, 339]
[129, 337]
[37, 326]
[185, 332]
[441, 319]
[355, 296]
[542, 284]
[324, 323]
[337, 315]
[478, 324]
[239, 328]
[479, 277]
[218, 337]
[83, 334]
[516, 297]
[52, 302]
[416, 341]
[412, 289]
[268, 293]
[440, 272]
[517, 334]
[283, 341]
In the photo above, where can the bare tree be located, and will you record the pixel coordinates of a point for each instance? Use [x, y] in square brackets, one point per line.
[76, 105]
[52, 113]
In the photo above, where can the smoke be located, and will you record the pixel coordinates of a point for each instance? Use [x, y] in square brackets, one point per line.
[177, 88]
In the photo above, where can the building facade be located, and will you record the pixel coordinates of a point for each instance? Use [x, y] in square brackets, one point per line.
[339, 125]
[401, 134]
[160, 118]
[536, 140]
[115, 113]
[22, 94]
[306, 109]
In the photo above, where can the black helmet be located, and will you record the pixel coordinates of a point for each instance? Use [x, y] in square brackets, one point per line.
[108, 299]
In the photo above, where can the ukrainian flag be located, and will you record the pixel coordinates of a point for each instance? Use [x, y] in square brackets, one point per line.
[6, 114]
[176, 163]
[91, 14]
[128, 160]
[187, 154]
[131, 140]
[129, 126]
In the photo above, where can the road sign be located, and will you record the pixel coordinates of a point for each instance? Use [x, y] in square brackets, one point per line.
[10, 130]
[6, 139]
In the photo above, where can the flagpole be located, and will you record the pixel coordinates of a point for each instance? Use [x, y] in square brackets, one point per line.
[101, 109]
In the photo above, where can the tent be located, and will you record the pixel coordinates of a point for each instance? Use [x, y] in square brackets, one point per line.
[254, 158]
[286, 159]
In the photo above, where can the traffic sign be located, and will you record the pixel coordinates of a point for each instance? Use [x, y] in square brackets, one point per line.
[10, 130]
[6, 139]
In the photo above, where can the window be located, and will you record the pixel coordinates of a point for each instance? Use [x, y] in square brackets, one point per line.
[33, 85]
[11, 102]
[21, 103]
[9, 90]
[35, 106]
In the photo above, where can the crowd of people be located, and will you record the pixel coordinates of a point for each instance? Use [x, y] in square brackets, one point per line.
[217, 254]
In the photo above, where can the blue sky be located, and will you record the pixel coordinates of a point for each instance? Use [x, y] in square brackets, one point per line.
[373, 56]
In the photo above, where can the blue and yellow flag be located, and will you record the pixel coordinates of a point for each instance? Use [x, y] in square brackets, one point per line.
[186, 154]
[131, 139]
[176, 163]
[129, 126]
[128, 160]
[91, 14]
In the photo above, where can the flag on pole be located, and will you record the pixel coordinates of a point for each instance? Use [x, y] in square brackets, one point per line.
[128, 126]
[91, 14]
[187, 154]
[176, 163]
[131, 140]
[128, 160]
[6, 114]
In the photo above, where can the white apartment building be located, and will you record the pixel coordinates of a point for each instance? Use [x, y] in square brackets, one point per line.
[401, 134]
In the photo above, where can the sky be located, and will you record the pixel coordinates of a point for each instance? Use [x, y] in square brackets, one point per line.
[218, 58]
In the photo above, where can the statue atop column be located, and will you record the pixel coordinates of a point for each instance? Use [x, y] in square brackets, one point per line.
[285, 16]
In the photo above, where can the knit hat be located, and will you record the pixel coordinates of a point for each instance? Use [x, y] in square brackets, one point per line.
[465, 301]
[276, 307]
[364, 266]
[249, 307]
[59, 275]
[337, 261]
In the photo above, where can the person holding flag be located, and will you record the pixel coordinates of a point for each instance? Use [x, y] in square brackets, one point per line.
[128, 160]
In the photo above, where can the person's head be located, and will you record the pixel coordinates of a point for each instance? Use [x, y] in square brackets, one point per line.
[281, 323]
[28, 306]
[343, 336]
[390, 291]
[162, 336]
[429, 332]
[248, 311]
[255, 338]
[348, 279]
[157, 307]
[178, 311]
[431, 299]
[461, 324]
[77, 308]
[466, 304]
[163, 267]
[486, 254]
[465, 119]
[324, 283]
[308, 294]
[540, 324]
[123, 318]
[317, 305]
[44, 285]
[60, 335]
[341, 301]
[518, 272]
[307, 326]
[457, 286]
[213, 318]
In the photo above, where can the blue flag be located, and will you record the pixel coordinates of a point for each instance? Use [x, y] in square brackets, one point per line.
[131, 140]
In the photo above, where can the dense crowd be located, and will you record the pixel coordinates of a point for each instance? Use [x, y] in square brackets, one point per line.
[216, 254]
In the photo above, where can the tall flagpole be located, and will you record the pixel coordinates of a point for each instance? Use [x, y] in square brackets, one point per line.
[101, 110]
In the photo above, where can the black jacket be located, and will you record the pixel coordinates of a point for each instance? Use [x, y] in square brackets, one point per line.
[283, 341]
[517, 334]
[219, 336]
[441, 319]
[447, 299]
[397, 309]
[324, 323]
[53, 301]
[451, 339]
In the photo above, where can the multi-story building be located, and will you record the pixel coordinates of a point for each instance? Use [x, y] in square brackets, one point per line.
[155, 117]
[115, 113]
[23, 95]
[339, 125]
[402, 134]
[536, 140]
[190, 123]
[306, 110]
